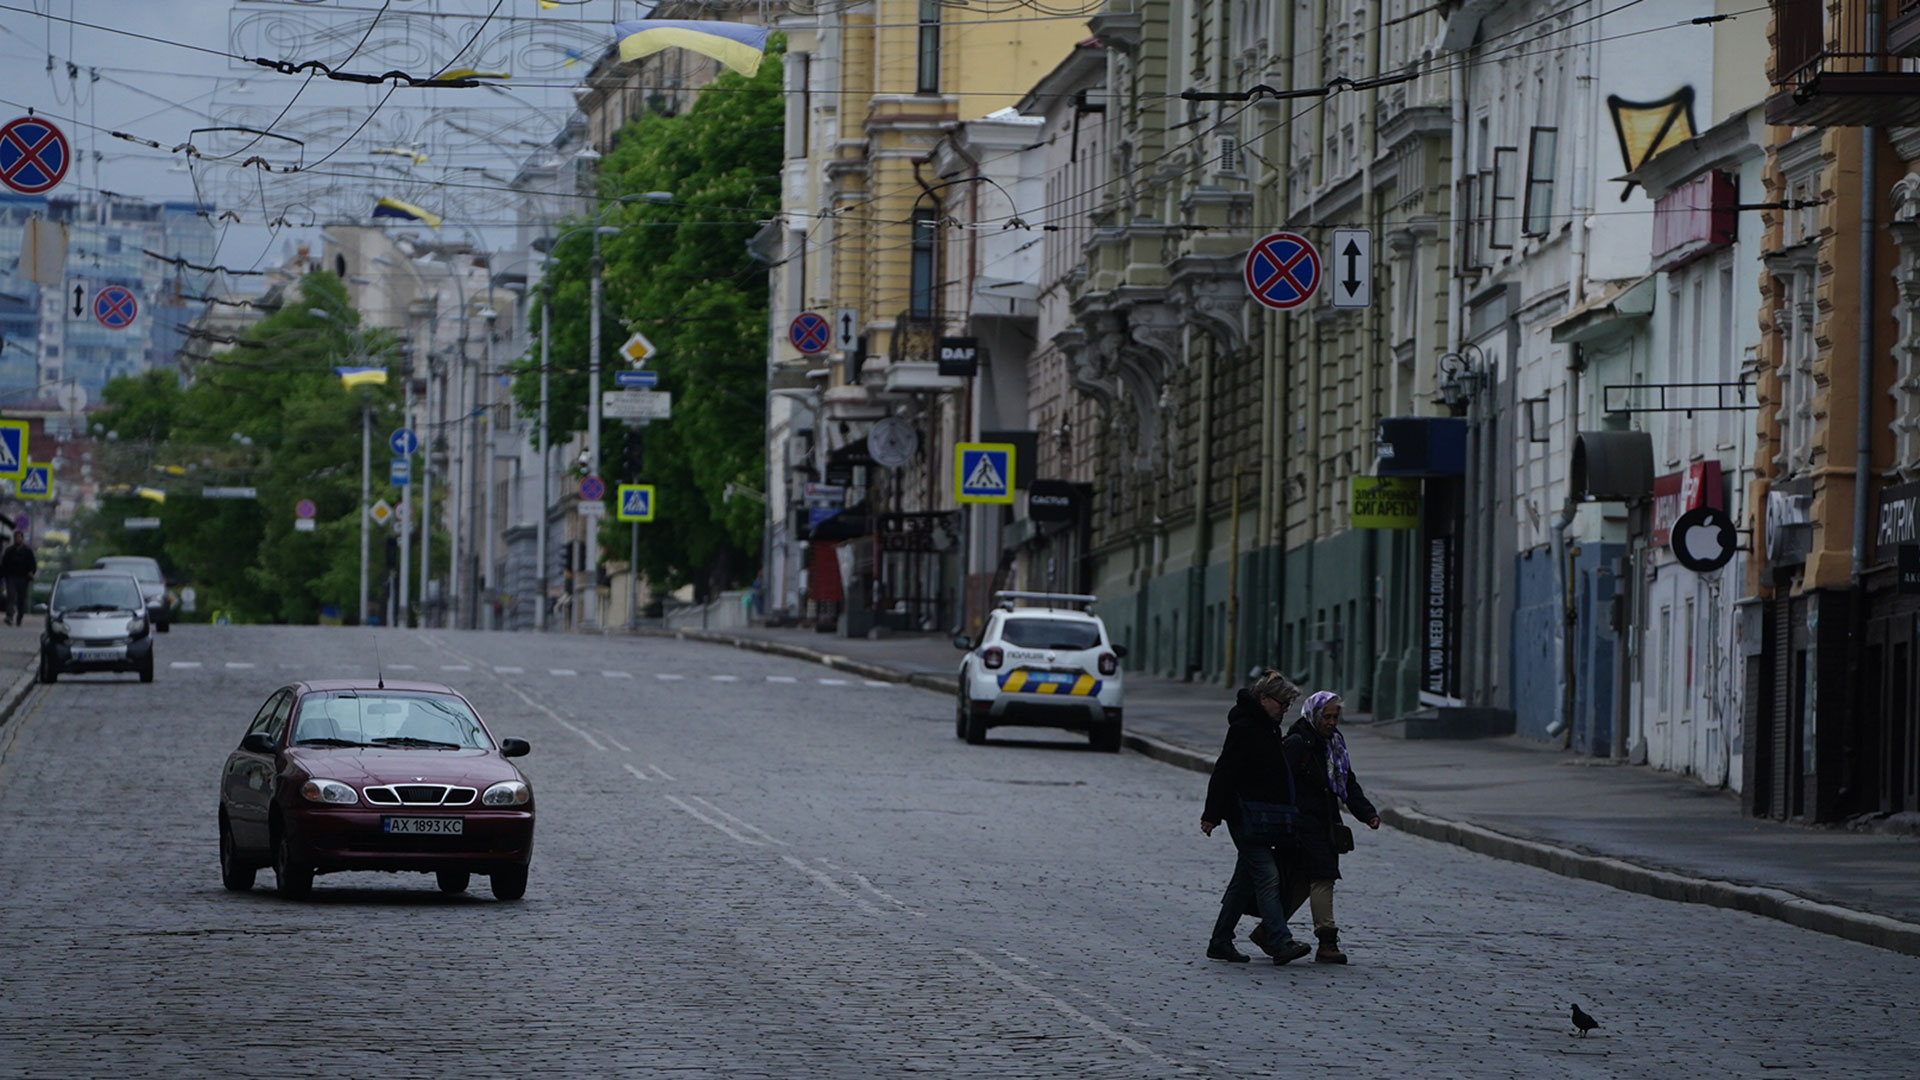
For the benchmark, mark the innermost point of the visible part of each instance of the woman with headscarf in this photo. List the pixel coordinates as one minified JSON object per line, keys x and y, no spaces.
{"x":1317,"y":753}
{"x":1252,"y":767}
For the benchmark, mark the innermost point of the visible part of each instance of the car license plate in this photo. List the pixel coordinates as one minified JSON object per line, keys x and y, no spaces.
{"x":423,"y":826}
{"x":88,"y":655}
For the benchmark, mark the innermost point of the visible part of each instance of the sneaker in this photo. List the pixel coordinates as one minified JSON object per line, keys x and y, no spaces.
{"x":1290,"y":950}
{"x":1226,"y":952}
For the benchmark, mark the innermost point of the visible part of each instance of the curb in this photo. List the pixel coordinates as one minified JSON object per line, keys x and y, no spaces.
{"x":11,"y":698}
{"x":1879,"y":931}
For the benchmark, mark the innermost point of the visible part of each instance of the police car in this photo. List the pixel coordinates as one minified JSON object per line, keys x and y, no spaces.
{"x":1043,"y":660}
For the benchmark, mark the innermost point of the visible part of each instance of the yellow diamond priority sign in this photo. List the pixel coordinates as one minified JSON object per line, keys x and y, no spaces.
{"x":638,"y":350}
{"x":381,"y":512}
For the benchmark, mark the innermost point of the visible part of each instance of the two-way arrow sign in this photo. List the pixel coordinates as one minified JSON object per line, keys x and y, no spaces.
{"x":1353,"y":255}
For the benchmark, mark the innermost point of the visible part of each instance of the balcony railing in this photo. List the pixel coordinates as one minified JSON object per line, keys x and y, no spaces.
{"x":1833,"y":64}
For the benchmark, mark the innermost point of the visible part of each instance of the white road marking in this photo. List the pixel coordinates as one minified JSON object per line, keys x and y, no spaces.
{"x":882,"y":685}
{"x":724,"y":678}
{"x":721,"y":825}
{"x":870,"y":887}
{"x":561,"y":671}
{"x":509,"y":671}
{"x":638,"y":773}
{"x":238,"y":664}
{"x":618,"y":674}
{"x":403,"y":667}
{"x":781,"y":678}
{"x":517,"y":692}
{"x":667,"y":677}
{"x":740,"y":821}
{"x":658,"y":769}
{"x":1072,"y":1013}
{"x":833,"y":682}
{"x":456,"y":667}
{"x":185,"y":664}
{"x":617,"y":744}
{"x":838,"y":889}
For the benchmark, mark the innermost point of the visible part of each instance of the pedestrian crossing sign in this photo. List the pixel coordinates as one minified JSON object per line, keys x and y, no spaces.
{"x":636,"y":502}
{"x":983,"y":472}
{"x":37,"y":483}
{"x":13,"y":449}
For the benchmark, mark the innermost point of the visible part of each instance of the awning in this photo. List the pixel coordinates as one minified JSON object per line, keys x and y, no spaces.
{"x":1613,"y":466}
{"x":1614,"y":311}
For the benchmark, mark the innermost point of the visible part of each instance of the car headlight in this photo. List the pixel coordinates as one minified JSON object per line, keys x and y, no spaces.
{"x":57,"y":627}
{"x":507,"y":793}
{"x":137,"y":625}
{"x":329,"y":791}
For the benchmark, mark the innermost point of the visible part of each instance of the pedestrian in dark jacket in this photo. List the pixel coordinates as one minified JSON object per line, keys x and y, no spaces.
{"x":1317,"y":753}
{"x":1252,"y":766}
{"x":17,"y":568}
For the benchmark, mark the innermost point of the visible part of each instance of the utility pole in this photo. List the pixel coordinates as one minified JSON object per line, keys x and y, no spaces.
{"x":404,"y":612}
{"x":590,"y":524}
{"x":426,"y":491}
{"x":366,"y":491}
{"x":490,"y":586}
{"x":546,"y":467}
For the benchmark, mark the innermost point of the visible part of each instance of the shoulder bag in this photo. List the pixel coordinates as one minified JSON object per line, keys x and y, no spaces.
{"x":1270,"y":823}
{"x":1340,"y":835}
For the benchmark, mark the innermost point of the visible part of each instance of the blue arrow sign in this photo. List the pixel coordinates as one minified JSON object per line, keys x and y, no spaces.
{"x":636,"y":378}
{"x":402,"y":472}
{"x":403,"y":442}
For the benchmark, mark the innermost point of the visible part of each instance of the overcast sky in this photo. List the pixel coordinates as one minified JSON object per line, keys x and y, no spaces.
{"x":472,"y":138}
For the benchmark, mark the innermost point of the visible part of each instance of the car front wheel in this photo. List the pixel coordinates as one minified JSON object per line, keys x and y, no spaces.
{"x":146,"y":669}
{"x":453,"y":881}
{"x":509,"y":884}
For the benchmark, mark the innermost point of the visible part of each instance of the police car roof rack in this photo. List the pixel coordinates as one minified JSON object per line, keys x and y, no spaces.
{"x":1006,"y":599}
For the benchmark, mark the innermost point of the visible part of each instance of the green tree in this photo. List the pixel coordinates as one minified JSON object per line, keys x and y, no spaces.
{"x":679,"y":272}
{"x":272,"y":415}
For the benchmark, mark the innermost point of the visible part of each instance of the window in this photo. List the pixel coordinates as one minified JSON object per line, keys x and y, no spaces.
{"x":1666,"y":661}
{"x":1505,"y":217}
{"x":929,"y":69}
{"x":1050,"y":633}
{"x":1544,"y":144}
{"x":920,"y":304}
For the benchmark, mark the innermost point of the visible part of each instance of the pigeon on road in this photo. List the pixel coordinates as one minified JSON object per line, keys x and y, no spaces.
{"x":1584,"y":1022}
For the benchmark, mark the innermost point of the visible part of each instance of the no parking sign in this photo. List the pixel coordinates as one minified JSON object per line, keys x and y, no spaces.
{"x":1283,"y":270}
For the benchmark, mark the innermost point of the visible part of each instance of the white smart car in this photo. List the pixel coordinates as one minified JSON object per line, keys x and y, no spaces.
{"x":1042,"y":660}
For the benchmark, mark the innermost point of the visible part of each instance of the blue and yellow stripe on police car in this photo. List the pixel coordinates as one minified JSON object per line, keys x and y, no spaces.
{"x":1062,"y":683}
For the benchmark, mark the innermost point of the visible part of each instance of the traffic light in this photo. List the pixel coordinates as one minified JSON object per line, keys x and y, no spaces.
{"x":630,"y":455}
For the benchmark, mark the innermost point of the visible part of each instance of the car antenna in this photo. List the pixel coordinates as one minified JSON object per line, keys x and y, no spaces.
{"x":379,"y":673}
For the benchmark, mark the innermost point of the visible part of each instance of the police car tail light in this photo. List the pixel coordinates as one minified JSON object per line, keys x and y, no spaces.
{"x":991,"y":657}
{"x":1109,"y":663}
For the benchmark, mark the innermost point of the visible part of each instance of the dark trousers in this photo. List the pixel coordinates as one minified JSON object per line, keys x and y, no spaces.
{"x":1258,"y":882}
{"x":17,"y":599}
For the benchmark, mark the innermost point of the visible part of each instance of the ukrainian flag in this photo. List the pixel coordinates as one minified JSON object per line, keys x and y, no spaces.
{"x":740,"y":46}
{"x":394,"y":208}
{"x":351,"y":377}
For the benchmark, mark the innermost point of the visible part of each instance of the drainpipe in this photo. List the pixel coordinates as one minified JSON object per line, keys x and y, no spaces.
{"x":1203,"y":518}
{"x":1562,"y":724}
{"x":1863,"y":435}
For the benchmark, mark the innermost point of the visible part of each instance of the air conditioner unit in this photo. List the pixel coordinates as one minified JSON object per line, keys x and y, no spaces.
{"x":1227,"y":160}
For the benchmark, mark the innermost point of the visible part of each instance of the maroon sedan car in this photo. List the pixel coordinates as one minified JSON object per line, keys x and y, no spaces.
{"x":348,"y":774}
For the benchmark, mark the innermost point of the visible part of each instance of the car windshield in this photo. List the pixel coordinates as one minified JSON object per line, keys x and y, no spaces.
{"x":1050,"y":634}
{"x":104,"y":593}
{"x":389,"y":720}
{"x":145,"y":570}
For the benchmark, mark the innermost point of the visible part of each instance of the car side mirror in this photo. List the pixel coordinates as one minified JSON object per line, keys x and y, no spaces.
{"x":1119,"y":652}
{"x":515,"y":748}
{"x":258,"y":742}
{"x":39,"y":609}
{"x":962,"y":641}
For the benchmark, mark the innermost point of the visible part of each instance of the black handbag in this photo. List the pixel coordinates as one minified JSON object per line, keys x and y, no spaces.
{"x":1341,"y":837}
{"x":1270,"y":823}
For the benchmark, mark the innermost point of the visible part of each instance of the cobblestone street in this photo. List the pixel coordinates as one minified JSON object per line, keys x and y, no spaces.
{"x":751,"y":866}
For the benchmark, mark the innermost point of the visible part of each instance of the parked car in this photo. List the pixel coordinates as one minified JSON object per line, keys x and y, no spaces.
{"x":153,"y":585}
{"x":1042,"y":660}
{"x":96,"y":621}
{"x":364,"y":774}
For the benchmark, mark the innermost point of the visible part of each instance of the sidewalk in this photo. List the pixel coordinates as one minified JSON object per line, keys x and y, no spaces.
{"x":1620,"y":825}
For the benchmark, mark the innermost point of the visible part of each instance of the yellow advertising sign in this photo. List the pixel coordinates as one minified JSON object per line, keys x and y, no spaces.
{"x":1385,"y":502}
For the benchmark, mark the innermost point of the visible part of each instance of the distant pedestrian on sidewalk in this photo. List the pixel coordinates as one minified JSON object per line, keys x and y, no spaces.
{"x":1252,"y":766}
{"x":17,"y":568}
{"x":1317,"y":753}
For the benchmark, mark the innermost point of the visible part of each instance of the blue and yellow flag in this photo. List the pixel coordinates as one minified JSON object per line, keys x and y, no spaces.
{"x":394,"y":208}
{"x":351,"y":377}
{"x":740,"y":46}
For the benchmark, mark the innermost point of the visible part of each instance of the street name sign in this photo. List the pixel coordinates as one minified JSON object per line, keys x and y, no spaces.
{"x":229,"y":493}
{"x":137,"y":524}
{"x":636,"y":404}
